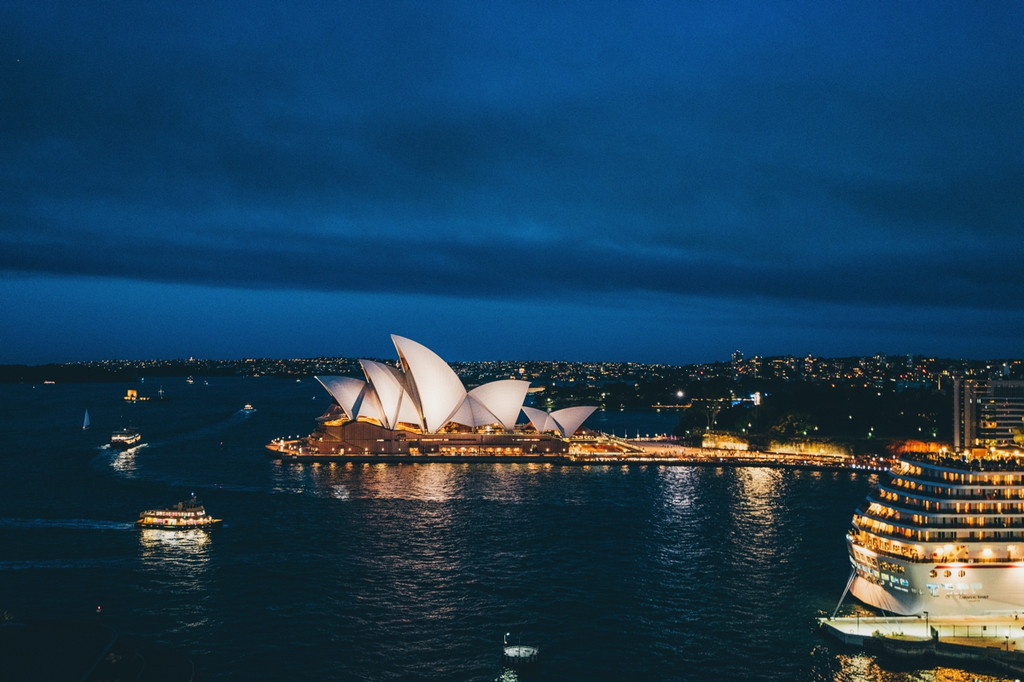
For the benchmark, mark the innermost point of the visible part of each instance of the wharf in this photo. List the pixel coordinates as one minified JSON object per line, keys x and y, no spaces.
{"x":420,"y":459}
{"x":994,"y":640}
{"x":568,"y":460}
{"x":640,"y":453}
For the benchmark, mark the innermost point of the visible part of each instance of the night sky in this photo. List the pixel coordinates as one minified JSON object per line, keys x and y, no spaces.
{"x":554,"y":181}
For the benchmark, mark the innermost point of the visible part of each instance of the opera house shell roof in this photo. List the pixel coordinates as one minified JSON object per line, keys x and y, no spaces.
{"x":427,"y":395}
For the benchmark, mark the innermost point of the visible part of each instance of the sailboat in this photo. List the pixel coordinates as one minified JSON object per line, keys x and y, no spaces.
{"x":85,"y":422}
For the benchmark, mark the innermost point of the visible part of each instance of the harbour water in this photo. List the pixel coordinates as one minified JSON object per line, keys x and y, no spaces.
{"x":398,"y":572}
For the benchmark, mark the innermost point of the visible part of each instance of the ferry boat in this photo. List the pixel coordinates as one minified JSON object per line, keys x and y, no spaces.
{"x":125,"y":439}
{"x":248,"y":408}
{"x":182,"y":516}
{"x":943,"y":535}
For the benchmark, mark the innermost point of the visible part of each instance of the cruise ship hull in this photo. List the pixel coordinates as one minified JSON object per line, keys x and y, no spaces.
{"x":905,"y":587}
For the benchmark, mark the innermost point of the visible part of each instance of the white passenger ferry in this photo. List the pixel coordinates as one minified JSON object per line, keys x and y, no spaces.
{"x":187,"y":515}
{"x":125,"y":439}
{"x":943,"y":535}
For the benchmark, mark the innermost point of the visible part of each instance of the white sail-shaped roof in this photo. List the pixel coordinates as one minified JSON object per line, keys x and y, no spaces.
{"x":346,"y":391}
{"x":540,"y":419}
{"x":387,"y":382}
{"x":435,"y":388}
{"x":566,"y":421}
{"x":503,"y":399}
{"x":472,"y":413}
{"x":570,"y":419}
{"x":426,"y":392}
{"x":408,"y":413}
{"x":369,"y":405}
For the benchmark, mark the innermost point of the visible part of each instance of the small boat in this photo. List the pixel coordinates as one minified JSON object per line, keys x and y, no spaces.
{"x":186,"y":515}
{"x":190,"y":380}
{"x":85,"y":422}
{"x":125,"y":439}
{"x":519,"y":656}
{"x":248,"y":408}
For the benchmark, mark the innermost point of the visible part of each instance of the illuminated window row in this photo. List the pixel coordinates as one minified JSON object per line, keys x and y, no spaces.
{"x":957,"y":492}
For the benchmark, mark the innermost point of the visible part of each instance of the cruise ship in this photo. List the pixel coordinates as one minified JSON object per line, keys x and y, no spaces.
{"x":942,"y":535}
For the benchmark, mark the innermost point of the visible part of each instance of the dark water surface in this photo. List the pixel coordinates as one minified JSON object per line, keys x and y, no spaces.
{"x":398,"y":572}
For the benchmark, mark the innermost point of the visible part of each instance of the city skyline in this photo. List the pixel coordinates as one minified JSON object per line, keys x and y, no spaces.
{"x":659,"y":184}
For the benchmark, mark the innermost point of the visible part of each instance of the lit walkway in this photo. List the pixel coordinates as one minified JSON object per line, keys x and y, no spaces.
{"x":997,"y":640}
{"x":984,"y":631}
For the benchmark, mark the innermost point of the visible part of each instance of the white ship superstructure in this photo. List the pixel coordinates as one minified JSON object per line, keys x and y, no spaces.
{"x":942,"y":535}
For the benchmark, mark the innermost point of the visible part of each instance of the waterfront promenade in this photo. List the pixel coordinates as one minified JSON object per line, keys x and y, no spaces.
{"x":600,"y":450}
{"x":995,"y":640}
{"x":668,"y":452}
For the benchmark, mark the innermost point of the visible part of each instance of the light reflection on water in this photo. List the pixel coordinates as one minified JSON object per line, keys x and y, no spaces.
{"x":755,"y":504}
{"x":124,"y":463}
{"x":862,"y":668}
{"x":292,"y":479}
{"x":678,"y":486}
{"x":176,"y":551}
{"x":423,"y":482}
{"x":157,"y":538}
{"x":178,"y":561}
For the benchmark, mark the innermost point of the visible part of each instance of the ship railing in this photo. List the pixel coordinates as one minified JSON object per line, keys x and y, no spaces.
{"x":937,"y":533}
{"x":947,"y":488}
{"x":944,"y":536}
{"x":993,"y":464}
{"x":948,"y":499}
{"x":993,"y":521}
{"x":882,"y":551}
{"x":919,"y":558}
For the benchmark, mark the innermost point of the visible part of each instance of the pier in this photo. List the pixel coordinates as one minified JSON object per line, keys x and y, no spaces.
{"x":996,"y":640}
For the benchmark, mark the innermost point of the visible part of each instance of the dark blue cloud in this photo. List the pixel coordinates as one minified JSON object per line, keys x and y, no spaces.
{"x":761,"y":157}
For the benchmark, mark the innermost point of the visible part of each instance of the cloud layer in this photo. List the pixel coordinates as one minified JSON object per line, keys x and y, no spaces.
{"x":799,"y":155}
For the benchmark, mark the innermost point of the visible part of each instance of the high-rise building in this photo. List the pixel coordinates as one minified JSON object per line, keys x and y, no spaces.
{"x":987,"y":413}
{"x":736,"y":361}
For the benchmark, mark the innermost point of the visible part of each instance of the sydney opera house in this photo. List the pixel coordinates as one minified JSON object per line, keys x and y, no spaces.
{"x":423,"y":408}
